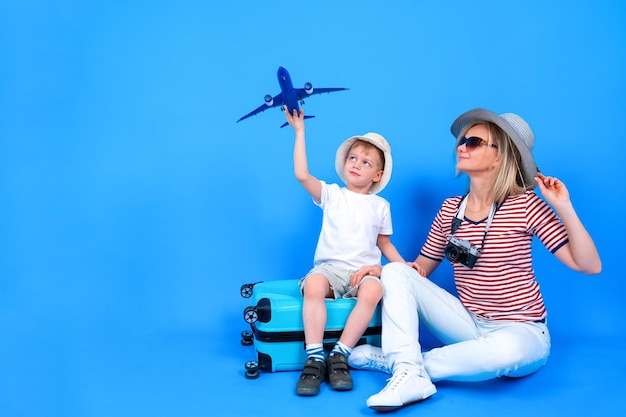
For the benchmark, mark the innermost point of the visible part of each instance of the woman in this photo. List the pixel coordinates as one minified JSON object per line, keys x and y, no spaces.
{"x":497,"y":325}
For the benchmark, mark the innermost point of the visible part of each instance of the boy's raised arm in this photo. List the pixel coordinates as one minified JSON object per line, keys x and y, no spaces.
{"x":300,"y":165}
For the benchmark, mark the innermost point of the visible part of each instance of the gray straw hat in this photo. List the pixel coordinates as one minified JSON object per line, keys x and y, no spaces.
{"x":516,"y":127}
{"x":375,"y":139}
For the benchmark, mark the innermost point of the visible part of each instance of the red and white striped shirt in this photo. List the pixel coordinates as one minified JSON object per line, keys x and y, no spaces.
{"x":501,"y":285}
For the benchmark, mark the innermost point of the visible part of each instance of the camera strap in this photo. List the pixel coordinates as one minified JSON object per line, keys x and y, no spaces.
{"x":460,"y":215}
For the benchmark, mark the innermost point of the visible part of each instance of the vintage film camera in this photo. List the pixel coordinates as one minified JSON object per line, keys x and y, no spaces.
{"x":461,"y":251}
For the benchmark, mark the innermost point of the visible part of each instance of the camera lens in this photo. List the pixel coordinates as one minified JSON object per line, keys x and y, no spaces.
{"x":452,"y":253}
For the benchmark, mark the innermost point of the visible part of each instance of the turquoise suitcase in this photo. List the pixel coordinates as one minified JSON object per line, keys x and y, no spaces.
{"x":276,"y":329}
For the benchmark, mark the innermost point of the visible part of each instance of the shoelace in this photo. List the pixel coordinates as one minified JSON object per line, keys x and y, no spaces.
{"x":378,"y":361}
{"x":395,"y":380}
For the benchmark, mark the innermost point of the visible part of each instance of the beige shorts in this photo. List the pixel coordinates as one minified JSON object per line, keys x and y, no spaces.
{"x":338,"y":279}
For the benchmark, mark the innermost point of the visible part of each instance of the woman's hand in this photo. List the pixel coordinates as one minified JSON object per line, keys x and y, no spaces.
{"x":553,"y":189}
{"x":418,"y":268}
{"x":374,"y":270}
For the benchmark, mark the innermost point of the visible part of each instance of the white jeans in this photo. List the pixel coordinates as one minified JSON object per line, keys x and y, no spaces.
{"x":475,"y":350}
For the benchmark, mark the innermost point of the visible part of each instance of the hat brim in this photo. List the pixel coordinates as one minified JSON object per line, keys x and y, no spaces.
{"x":529,"y":167}
{"x":342,"y":153}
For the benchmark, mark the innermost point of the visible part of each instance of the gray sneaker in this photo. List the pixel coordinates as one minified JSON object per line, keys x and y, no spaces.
{"x":338,"y":374}
{"x":406,"y":386}
{"x":368,"y":357}
{"x":312,"y":376}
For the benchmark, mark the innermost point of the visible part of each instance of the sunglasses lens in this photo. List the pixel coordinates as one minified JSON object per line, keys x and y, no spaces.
{"x":472,"y":142}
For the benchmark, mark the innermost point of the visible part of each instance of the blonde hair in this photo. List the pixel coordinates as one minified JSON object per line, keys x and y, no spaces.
{"x":508,"y":179}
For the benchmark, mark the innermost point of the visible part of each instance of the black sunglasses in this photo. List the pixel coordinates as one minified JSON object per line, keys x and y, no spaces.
{"x":474,"y":142}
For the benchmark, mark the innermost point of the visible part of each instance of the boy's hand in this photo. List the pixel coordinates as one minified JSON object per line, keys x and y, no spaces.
{"x":295,"y":120}
{"x":356,"y":277}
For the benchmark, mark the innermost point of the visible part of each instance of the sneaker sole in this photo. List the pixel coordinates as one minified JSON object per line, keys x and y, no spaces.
{"x":342,"y":387}
{"x":386,"y":408}
{"x":307,"y":393}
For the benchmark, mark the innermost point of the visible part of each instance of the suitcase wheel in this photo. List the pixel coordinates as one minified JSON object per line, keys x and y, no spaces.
{"x":246,"y":338}
{"x":252,"y":370}
{"x":250,"y":315}
{"x":246,"y":289}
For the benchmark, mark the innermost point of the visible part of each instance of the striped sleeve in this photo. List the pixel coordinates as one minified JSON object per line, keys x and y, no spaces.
{"x":544,"y":223}
{"x":440,"y":230}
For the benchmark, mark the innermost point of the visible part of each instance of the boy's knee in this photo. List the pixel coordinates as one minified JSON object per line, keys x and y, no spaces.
{"x":315,"y":285}
{"x":370,"y":292}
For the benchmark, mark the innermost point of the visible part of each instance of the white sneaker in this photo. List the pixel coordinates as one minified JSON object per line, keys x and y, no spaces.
{"x":406,"y":386}
{"x":368,"y":357}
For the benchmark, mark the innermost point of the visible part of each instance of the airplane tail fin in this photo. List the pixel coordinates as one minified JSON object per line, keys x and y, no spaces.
{"x":305,"y":116}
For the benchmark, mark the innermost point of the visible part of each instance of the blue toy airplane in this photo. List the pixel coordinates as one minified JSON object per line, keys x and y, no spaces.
{"x":289,"y":96}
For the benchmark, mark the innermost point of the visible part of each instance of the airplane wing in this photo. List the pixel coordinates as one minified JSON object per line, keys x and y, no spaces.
{"x":302,"y":94}
{"x":276,"y":101}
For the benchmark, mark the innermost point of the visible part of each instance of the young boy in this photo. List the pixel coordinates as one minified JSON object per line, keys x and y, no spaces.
{"x":356,"y":227}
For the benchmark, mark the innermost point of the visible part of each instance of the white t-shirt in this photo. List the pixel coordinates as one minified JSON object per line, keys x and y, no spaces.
{"x":351,"y":224}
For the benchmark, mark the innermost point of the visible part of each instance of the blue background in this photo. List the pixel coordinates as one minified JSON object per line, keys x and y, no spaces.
{"x":133,"y":207}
